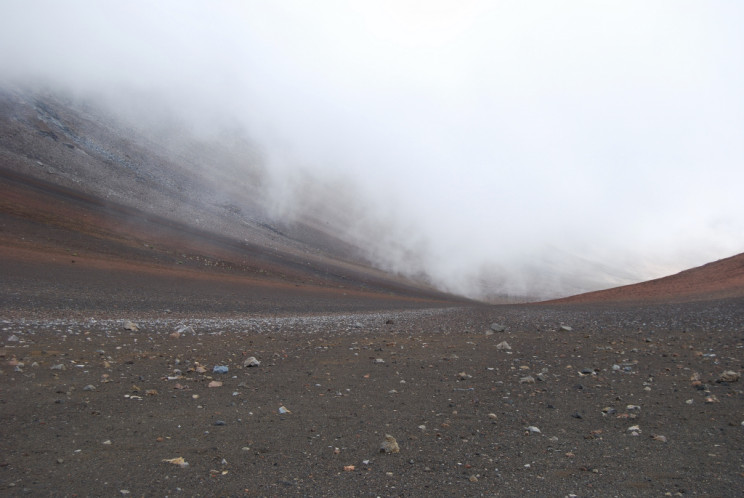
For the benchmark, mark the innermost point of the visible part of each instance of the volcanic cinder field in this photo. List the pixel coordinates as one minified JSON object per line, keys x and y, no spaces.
{"x":158,"y":343}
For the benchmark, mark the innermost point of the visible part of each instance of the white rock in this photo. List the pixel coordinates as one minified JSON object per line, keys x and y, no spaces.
{"x":251,"y":362}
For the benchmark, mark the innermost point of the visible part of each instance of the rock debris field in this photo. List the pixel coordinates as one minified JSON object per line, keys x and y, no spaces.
{"x":539,"y":400}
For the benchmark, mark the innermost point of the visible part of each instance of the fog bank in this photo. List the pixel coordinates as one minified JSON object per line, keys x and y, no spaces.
{"x":491,"y":148}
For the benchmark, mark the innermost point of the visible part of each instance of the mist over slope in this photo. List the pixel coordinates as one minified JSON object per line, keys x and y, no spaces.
{"x":218,"y":182}
{"x":213,"y":180}
{"x":493,"y":149}
{"x":80,"y":183}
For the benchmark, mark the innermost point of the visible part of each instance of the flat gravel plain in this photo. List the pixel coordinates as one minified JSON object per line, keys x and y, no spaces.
{"x":582,"y":400}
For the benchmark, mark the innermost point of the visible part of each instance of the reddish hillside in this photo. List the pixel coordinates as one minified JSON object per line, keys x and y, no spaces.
{"x":94,"y":216}
{"x":721,"y":279}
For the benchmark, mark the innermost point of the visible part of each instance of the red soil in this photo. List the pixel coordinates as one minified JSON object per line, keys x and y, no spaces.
{"x":718,"y":280}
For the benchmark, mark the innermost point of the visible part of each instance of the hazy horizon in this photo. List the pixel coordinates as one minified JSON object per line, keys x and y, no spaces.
{"x":521,"y":148}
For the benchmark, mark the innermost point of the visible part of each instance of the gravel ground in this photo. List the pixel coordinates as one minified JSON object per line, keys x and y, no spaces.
{"x":628,"y":402}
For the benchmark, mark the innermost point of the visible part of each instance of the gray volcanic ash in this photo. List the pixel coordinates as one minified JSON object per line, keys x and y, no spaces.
{"x":80,"y":188}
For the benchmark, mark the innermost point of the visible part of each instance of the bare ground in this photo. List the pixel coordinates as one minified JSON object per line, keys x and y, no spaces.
{"x":630,"y":401}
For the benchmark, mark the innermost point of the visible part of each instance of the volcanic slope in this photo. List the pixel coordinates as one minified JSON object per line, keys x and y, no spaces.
{"x":720,"y":279}
{"x":93,"y":211}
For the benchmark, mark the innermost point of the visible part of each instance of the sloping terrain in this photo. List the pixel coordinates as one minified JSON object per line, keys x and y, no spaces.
{"x":717,"y":280}
{"x":87,"y":202}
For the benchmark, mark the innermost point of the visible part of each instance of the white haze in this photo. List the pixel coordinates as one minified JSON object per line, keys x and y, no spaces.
{"x":495,"y":147}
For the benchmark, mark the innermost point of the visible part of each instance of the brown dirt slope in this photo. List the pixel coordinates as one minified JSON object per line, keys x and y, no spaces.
{"x":717,"y":280}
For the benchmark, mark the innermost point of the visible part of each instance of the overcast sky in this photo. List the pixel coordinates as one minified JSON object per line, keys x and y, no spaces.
{"x":533,"y":143}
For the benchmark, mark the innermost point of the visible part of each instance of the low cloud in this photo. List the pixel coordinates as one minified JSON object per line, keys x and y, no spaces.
{"x":492,"y":148}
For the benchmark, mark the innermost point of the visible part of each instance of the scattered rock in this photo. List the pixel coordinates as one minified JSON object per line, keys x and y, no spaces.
{"x":527,"y":380}
{"x":729,"y":376}
{"x":533,"y":430}
{"x":349,"y":468}
{"x":89,"y":387}
{"x":659,"y":437}
{"x":634,"y":430}
{"x":215,"y":383}
{"x":464,"y":376}
{"x":220,"y":369}
{"x":251,"y":362}
{"x":283,"y":410}
{"x":503,"y":346}
{"x":131,"y":326}
{"x":379,"y":360}
{"x":220,"y":422}
{"x":13,"y":338}
{"x":389,"y":445}
{"x":492,"y":416}
{"x":497,"y":327}
{"x":177,"y":461}
{"x":565,"y":328}
{"x":58,"y":366}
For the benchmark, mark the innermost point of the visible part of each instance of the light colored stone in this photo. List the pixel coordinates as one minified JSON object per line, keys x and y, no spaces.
{"x":729,"y":376}
{"x":389,"y":445}
{"x":128,"y":325}
{"x":251,"y":362}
